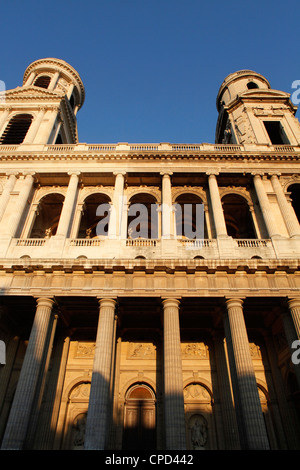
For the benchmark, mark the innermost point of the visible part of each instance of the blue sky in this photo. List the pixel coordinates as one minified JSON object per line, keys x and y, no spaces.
{"x":152,"y":69}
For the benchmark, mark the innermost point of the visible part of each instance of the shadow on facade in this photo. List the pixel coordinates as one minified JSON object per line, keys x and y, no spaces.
{"x":136,"y":401}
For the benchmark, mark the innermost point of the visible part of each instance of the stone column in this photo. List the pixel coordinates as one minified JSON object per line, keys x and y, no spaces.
{"x":218,"y":213}
{"x":254,"y":436}
{"x":287,"y":211}
{"x":115,"y":221}
{"x":173,"y":380}
{"x":53,"y":81}
{"x":67,"y":210}
{"x":10,"y":183}
{"x":167,"y":214}
{"x":34,"y":127}
{"x":265,"y":205}
{"x":30,"y":79}
{"x":13,"y":222}
{"x":97,"y":427}
{"x":20,"y":414}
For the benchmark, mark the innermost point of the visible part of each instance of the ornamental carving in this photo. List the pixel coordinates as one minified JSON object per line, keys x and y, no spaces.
{"x":141,"y":351}
{"x":255,"y":351}
{"x":194,"y":350}
{"x":82,"y":392}
{"x":196,"y":392}
{"x":85,"y":350}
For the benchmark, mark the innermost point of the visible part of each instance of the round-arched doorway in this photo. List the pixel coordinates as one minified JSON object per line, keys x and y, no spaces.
{"x":140,"y":418}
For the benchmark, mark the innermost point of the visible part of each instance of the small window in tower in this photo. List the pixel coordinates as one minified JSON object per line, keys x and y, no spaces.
{"x":16,"y":129}
{"x":251,"y":85}
{"x":42,"y":81}
{"x":276,"y":132}
{"x":72,"y":101}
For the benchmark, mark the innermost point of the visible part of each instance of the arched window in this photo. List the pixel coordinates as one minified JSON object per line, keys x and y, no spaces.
{"x":16,"y":129}
{"x":95,"y":217}
{"x":251,"y":85}
{"x":48,"y":214}
{"x":142,"y":217}
{"x":190,"y":220}
{"x":295,"y":197}
{"x":238,"y":218}
{"x":42,"y":81}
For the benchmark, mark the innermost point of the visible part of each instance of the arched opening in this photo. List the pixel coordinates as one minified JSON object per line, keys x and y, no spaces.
{"x":251,"y":85}
{"x":16,"y":129}
{"x":190,"y":220}
{"x":294,"y":189}
{"x":139,"y":418}
{"x":48,"y":214}
{"x":42,"y":81}
{"x":142,"y":217}
{"x":95,"y":217}
{"x":238,"y":218}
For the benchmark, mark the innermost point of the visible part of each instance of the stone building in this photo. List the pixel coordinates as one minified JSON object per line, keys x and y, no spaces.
{"x":123,"y":328}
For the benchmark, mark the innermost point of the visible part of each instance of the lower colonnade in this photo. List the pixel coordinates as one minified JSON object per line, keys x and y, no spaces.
{"x":168,"y":373}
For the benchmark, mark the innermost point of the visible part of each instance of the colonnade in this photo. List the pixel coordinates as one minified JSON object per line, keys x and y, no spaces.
{"x":118,"y":226}
{"x":252,"y":429}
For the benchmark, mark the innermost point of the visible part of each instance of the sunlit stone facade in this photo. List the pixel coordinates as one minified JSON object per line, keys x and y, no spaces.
{"x":159,"y":341}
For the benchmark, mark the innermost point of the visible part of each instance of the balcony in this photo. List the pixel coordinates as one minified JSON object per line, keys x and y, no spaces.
{"x":103,"y":248}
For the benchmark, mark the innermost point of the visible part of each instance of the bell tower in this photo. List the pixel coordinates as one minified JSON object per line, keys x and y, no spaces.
{"x":251,"y":112}
{"x":43,"y":110}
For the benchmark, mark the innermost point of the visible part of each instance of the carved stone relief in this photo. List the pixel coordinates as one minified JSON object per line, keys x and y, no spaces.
{"x":141,"y":351}
{"x":85,"y":350}
{"x":196,"y":392}
{"x":255,"y":351}
{"x":194,"y":350}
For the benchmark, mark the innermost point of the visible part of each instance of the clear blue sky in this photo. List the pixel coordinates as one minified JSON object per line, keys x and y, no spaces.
{"x":152,"y":69}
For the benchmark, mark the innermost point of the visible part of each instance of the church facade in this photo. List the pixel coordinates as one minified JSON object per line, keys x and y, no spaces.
{"x":150,"y":293}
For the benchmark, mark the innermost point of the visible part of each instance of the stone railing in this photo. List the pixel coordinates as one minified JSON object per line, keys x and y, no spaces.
{"x":146,"y":147}
{"x":141,"y":242}
{"x":153,"y":248}
{"x":85,"y":242}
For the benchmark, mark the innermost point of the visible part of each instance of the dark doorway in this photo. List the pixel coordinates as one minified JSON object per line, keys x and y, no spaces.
{"x":140,"y":419}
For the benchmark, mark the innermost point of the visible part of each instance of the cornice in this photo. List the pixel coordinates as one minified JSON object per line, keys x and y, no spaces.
{"x":170,"y":266}
{"x":14,"y":153}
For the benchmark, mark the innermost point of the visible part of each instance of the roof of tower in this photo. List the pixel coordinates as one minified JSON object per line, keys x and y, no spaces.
{"x":51,"y":63}
{"x":240,"y":74}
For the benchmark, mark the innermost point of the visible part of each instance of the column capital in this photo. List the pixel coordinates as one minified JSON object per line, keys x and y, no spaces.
{"x":107,"y":302}
{"x":166,"y":173}
{"x":119,"y":172}
{"x":293,"y":302}
{"x":212,"y":173}
{"x":74,"y":173}
{"x":234,"y":301}
{"x":171,"y":301}
{"x":45,"y":301}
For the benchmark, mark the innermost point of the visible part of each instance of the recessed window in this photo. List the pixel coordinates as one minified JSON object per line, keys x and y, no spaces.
{"x":16,"y":129}
{"x":276,"y":132}
{"x":251,"y":85}
{"x":42,"y":81}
